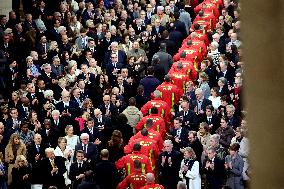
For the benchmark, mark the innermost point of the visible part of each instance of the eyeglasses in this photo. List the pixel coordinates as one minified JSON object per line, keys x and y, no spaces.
{"x":113,"y":57}
{"x":84,"y":139}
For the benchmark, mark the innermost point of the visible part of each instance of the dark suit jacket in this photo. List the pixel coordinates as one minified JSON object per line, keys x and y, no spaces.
{"x":51,"y":138}
{"x":154,"y":31}
{"x":75,"y":171}
{"x":73,"y":108}
{"x":107,"y":170}
{"x":107,"y":131}
{"x":121,"y":57}
{"x":215,"y":121}
{"x":112,"y":109}
{"x":189,"y":121}
{"x":40,"y":48}
{"x":56,"y":179}
{"x":229,"y":76}
{"x":183,"y":137}
{"x":215,"y":177}
{"x":205,"y":103}
{"x":92,"y":152}
{"x":109,"y":69}
{"x":36,"y":165}
{"x":94,"y":136}
{"x":88,"y":185}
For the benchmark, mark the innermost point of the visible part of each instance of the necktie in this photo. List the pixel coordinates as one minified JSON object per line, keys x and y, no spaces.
{"x":209,"y":121}
{"x":37,"y":148}
{"x":80,"y":165}
{"x":85,"y":148}
{"x":52,"y":163}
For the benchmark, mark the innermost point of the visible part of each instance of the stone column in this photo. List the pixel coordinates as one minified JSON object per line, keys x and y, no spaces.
{"x":5,"y":7}
{"x":262,"y":34}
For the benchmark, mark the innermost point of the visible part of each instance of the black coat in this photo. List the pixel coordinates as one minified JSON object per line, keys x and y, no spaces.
{"x":215,"y":177}
{"x":169,"y":175}
{"x":92,"y":152}
{"x":17,"y":178}
{"x":189,"y":120}
{"x":108,"y":175}
{"x":75,"y":171}
{"x":55,"y":179}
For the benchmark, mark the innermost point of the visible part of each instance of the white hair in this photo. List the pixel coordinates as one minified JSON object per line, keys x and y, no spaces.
{"x":160,"y":8}
{"x":232,"y":107}
{"x":54,"y":112}
{"x":215,"y":44}
{"x":114,"y":43}
{"x":48,"y":93}
{"x":168,"y":142}
{"x":84,"y":135}
{"x":61,"y":28}
{"x":49,"y":150}
{"x":29,"y":58}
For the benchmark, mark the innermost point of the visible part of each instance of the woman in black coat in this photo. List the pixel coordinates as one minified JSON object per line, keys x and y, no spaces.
{"x":21,"y":174}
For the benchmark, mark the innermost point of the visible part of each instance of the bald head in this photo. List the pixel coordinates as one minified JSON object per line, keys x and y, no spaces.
{"x":150,"y":178}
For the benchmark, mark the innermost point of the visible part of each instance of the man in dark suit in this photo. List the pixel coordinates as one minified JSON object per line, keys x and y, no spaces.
{"x":103,"y":125}
{"x":67,"y":107}
{"x":113,"y":68}
{"x":42,"y":47}
{"x":214,"y":170}
{"x":195,"y":144}
{"x":92,"y":131}
{"x":47,"y":76}
{"x":106,"y":170}
{"x":49,"y":134}
{"x":53,"y":32}
{"x":78,"y":169}
{"x":52,"y":170}
{"x":212,"y":120}
{"x":24,"y":109}
{"x":199,"y":105}
{"x":138,"y":27}
{"x":107,"y":108}
{"x":189,"y":118}
{"x":36,"y":153}
{"x":10,"y":76}
{"x":180,"y":26}
{"x":179,"y":134}
{"x":89,"y":148}
{"x":64,"y":44}
{"x":105,"y":42}
{"x":224,"y":71}
{"x":36,"y":98}
{"x":121,"y":56}
{"x":157,"y":29}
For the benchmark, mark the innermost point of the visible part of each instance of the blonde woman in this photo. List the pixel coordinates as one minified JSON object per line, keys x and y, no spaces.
{"x":189,"y":169}
{"x":72,"y":140}
{"x":66,"y":152}
{"x":21,"y":174}
{"x":53,"y":50}
{"x":14,"y":148}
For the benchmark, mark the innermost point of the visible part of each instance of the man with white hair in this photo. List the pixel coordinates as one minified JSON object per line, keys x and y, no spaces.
{"x":66,"y":106}
{"x":199,"y":105}
{"x":121,"y":56}
{"x":90,"y":149}
{"x":53,"y":167}
{"x":164,"y":19}
{"x":169,"y":165}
